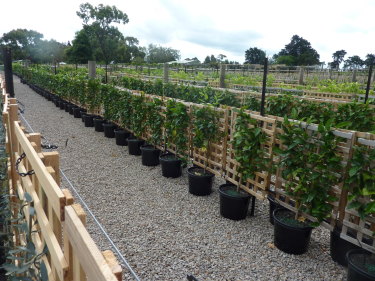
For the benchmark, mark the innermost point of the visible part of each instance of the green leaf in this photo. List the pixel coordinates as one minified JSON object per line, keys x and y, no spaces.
{"x":354,"y":171}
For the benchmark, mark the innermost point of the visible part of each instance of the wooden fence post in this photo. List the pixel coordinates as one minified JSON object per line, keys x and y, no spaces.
{"x":301,"y":74}
{"x":222,"y":76}
{"x":166,"y":73}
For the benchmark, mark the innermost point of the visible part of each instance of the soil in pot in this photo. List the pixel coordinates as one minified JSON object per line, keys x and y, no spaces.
{"x":170,"y":165}
{"x":234,"y":204}
{"x":361,"y":265}
{"x":200,"y":181}
{"x":98,"y":124}
{"x":339,"y":247}
{"x":150,"y":155}
{"x":290,"y":235}
{"x":121,"y":136}
{"x":134,"y":146}
{"x":89,"y":120}
{"x":109,"y":129}
{"x":273,"y":206}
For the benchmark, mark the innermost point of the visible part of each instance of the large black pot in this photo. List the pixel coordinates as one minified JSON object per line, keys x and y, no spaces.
{"x":57,"y":102}
{"x":89,"y":120}
{"x":273,"y":206}
{"x":361,"y":265}
{"x":121,"y":136}
{"x":67,"y":106}
{"x":200,"y":181}
{"x":234,"y":204}
{"x":290,"y":236}
{"x":170,"y":165}
{"x":339,"y":247}
{"x":62,"y":104}
{"x":150,"y":155}
{"x":109,"y":129}
{"x":77,"y":112}
{"x":134,"y":145}
{"x":98,"y":124}
{"x":71,"y":109}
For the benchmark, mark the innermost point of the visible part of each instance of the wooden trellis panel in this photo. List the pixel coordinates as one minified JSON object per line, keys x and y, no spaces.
{"x":344,"y":150}
{"x":354,"y":229}
{"x":216,"y":161}
{"x":259,"y":185}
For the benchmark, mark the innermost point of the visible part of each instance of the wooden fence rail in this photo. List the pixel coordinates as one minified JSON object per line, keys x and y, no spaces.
{"x":58,"y":223}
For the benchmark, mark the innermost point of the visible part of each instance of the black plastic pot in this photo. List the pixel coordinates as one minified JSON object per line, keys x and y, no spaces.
{"x":71,"y":109}
{"x":98,"y":124}
{"x":288,"y":237}
{"x":77,"y":112}
{"x":67,"y":106}
{"x":170,"y":165}
{"x":200,"y":182}
{"x":361,"y":265}
{"x":134,"y":146}
{"x":340,"y":247}
{"x":121,"y":136}
{"x":83,"y":113}
{"x":109,"y":129}
{"x":62,"y":104}
{"x":273,"y":206}
{"x":150,"y":155}
{"x":89,"y":120}
{"x":233,"y":205}
{"x":57,"y":102}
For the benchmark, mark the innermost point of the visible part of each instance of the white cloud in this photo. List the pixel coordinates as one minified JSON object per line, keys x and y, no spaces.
{"x":200,"y":28}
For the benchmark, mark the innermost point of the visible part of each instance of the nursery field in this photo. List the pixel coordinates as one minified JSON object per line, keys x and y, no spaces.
{"x":312,"y":158}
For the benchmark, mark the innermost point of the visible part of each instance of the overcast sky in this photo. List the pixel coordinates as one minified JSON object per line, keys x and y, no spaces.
{"x":203,"y":27}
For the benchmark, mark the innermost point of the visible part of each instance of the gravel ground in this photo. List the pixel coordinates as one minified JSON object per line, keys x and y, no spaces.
{"x":164,"y":232}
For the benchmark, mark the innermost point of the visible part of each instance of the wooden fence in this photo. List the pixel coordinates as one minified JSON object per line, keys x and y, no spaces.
{"x":58,"y":222}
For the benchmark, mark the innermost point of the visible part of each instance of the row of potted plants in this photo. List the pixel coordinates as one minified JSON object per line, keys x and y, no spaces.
{"x":309,"y":176}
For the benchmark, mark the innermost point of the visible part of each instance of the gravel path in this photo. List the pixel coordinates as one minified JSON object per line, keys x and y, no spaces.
{"x":164,"y":232}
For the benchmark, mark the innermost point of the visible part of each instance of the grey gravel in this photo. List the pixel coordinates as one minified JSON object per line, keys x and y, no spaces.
{"x":164,"y":232}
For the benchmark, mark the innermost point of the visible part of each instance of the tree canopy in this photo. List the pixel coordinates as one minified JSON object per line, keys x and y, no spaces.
{"x":338,"y":58}
{"x":80,"y":51}
{"x":255,"y":56}
{"x":159,"y":54}
{"x":297,"y":52}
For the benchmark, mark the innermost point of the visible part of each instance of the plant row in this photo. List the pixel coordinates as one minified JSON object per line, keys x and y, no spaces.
{"x":307,"y":159}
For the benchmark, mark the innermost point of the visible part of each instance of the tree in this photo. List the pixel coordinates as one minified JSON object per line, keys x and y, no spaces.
{"x":221,"y":57}
{"x":97,"y":23}
{"x":255,"y":56}
{"x":354,"y":62}
{"x":207,"y":60}
{"x":80,"y":51}
{"x":370,"y":59}
{"x":23,"y":43}
{"x":298,"y":52}
{"x":338,"y":57}
{"x":159,"y":54}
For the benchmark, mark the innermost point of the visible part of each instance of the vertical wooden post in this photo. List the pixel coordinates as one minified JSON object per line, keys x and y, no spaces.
{"x":13,"y":111}
{"x":222,"y":76}
{"x":53,"y":159}
{"x":354,"y":76}
{"x":301,"y":73}
{"x":78,"y":273}
{"x":92,"y":69}
{"x":7,"y":55}
{"x":166,"y":73}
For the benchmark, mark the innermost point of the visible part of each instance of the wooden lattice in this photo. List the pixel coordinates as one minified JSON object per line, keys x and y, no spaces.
{"x":259,"y":185}
{"x":345,"y":140}
{"x":217,"y":150}
{"x":354,"y":229}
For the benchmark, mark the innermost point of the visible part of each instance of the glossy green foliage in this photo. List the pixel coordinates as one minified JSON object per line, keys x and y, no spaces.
{"x":176,"y":125}
{"x":361,"y":181}
{"x":155,"y":121}
{"x":247,"y":145}
{"x":139,"y":115}
{"x":309,"y":163}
